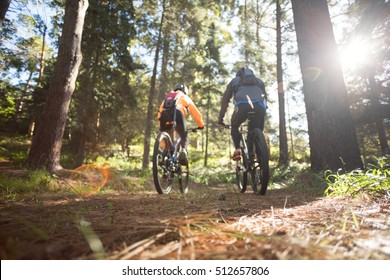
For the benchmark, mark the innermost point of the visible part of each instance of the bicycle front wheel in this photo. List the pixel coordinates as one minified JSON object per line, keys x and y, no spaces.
{"x":162,"y":175}
{"x":183,"y":174}
{"x":260,"y":170}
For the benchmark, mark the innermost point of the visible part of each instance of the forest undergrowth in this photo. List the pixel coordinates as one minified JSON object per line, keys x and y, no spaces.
{"x":210,"y":222}
{"x":119,"y":215}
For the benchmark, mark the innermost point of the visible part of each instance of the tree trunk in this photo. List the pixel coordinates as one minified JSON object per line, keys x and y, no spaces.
{"x":332,"y":136}
{"x":19,"y":102}
{"x":206,"y":153}
{"x":38,"y":91}
{"x":42,"y":59}
{"x":47,"y":142}
{"x":283,"y":147}
{"x":4,"y":4}
{"x":246,"y":34}
{"x":290,"y":130}
{"x":376,"y":106}
{"x":152,"y":93}
{"x":164,"y":66}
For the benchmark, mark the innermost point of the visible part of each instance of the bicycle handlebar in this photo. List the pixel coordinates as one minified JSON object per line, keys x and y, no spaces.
{"x":227,"y":126}
{"x":194,"y":129}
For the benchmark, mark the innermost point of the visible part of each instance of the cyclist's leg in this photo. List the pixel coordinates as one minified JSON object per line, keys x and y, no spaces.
{"x":166,"y":122}
{"x":256,"y":122}
{"x":239,"y":115}
{"x":259,"y":116}
{"x":181,"y":129}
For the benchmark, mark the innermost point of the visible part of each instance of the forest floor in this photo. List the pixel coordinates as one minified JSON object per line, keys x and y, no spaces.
{"x":210,"y":222}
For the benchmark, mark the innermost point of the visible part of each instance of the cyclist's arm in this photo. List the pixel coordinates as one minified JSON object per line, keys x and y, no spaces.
{"x":194,"y":111}
{"x":225,"y":102}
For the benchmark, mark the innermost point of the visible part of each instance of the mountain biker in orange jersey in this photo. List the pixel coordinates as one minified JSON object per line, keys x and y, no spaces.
{"x":179,"y":101}
{"x":247,"y":91}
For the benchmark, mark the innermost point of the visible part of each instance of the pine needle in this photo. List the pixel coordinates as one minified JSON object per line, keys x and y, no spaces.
{"x":355,"y":220}
{"x":343,"y":230}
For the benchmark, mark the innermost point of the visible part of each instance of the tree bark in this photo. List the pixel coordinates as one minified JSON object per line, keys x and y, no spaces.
{"x":283,"y":147}
{"x":332,"y":136}
{"x":38,"y":87}
{"x":42,"y":59}
{"x":164,"y":64}
{"x":206,"y":152}
{"x":4,"y":4}
{"x":19,"y":102}
{"x":376,"y":106}
{"x":152,"y":93}
{"x":47,"y":142}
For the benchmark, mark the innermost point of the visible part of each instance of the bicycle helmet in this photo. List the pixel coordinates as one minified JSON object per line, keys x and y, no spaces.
{"x":239,"y":71}
{"x":181,"y":87}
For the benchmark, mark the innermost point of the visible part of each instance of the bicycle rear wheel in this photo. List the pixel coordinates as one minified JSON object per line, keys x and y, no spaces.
{"x":183,"y":175}
{"x":260,"y":170}
{"x":242,"y":172}
{"x":162,"y":175}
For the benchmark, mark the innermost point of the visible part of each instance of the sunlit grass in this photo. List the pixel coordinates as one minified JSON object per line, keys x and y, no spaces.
{"x":374,"y":181}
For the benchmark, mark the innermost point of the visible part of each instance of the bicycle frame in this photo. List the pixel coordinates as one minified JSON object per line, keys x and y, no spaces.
{"x":174,"y":156}
{"x":246,"y":138}
{"x":249,"y":140}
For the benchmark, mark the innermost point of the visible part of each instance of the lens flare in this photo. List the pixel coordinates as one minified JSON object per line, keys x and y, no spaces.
{"x":312,"y":73}
{"x":91,"y":178}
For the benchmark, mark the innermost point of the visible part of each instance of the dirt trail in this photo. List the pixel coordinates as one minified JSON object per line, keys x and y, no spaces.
{"x":208,"y":223}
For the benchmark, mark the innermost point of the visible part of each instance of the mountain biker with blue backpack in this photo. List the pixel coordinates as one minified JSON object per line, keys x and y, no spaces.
{"x":247,"y":90}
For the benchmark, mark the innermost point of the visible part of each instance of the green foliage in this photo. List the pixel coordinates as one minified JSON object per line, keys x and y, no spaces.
{"x":7,"y":107}
{"x":213,"y":175}
{"x":375,"y":181}
{"x":38,"y":181}
{"x":288,"y":175}
{"x":298,"y":176}
{"x":14,"y":148}
{"x":41,"y":181}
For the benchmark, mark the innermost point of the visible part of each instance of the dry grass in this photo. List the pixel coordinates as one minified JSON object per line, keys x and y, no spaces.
{"x":209,"y":223}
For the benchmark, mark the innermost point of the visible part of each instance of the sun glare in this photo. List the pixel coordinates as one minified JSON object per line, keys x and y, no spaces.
{"x":354,"y":55}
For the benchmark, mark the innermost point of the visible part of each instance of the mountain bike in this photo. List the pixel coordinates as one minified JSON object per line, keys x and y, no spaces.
{"x":166,"y":163}
{"x":254,"y":158}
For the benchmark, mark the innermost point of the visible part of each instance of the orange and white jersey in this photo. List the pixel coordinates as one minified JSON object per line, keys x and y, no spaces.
{"x":183,"y":104}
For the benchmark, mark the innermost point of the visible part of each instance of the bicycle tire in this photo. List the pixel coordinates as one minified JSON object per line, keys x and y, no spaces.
{"x":254,"y":177}
{"x":242,"y":170}
{"x":260,"y":173}
{"x":241,"y":178}
{"x":162,"y":177}
{"x":183,"y":176}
